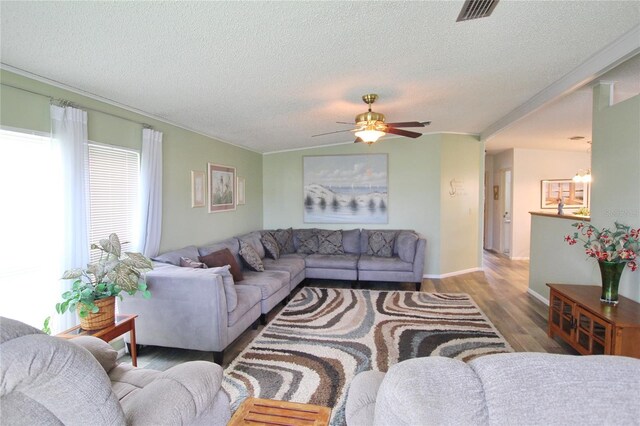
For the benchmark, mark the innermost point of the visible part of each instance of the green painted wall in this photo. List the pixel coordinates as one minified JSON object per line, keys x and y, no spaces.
{"x":416,"y":176}
{"x":615,"y":196}
{"x":183,"y":151}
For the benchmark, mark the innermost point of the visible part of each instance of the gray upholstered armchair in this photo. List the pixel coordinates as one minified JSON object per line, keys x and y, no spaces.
{"x":48,"y":380}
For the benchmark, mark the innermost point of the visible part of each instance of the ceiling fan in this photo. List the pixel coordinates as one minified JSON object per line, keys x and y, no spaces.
{"x":370,"y":125}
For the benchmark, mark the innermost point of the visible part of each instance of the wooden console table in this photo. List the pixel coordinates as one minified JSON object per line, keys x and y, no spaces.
{"x":123,"y":324}
{"x":257,"y":411}
{"x":577,"y":316}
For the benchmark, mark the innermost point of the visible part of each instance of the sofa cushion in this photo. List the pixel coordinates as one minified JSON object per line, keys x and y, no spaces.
{"x":377,"y":263}
{"x":284,"y":238}
{"x":190,"y":263}
{"x":406,"y":242}
{"x":330,"y":242}
{"x":291,"y":263}
{"x":270,"y":246}
{"x":253,"y":238}
{"x":173,"y":257}
{"x":343,"y":261}
{"x":351,"y":241}
{"x":306,"y":241}
{"x":269,"y":282}
{"x":381,"y":243}
{"x":230,"y":243}
{"x":248,"y":297}
{"x":101,"y":350}
{"x":222,"y":258}
{"x":250,"y":257}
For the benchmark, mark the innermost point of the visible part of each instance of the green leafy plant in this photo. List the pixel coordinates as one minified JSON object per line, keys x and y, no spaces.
{"x":107,"y":277}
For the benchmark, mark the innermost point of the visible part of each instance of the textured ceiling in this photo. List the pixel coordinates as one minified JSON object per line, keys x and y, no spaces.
{"x":268,"y":75}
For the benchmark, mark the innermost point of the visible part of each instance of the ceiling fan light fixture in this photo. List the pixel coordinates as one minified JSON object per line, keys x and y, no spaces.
{"x":369,"y":136}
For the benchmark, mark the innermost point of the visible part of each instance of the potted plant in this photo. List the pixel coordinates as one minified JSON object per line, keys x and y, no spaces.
{"x":613,"y":249}
{"x":95,"y":287}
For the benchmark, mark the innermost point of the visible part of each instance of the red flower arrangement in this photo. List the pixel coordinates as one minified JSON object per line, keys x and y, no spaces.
{"x":621,"y":245}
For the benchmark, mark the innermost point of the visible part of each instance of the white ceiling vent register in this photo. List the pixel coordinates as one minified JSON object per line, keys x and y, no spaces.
{"x":474,"y":9}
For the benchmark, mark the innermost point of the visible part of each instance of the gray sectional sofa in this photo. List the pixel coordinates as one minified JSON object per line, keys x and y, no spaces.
{"x":206,"y":309}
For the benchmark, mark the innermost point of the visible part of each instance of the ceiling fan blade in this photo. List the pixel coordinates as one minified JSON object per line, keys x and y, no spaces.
{"x":330,"y":133}
{"x":358,"y":140}
{"x":344,"y":122}
{"x":406,"y":124}
{"x":403,"y":132}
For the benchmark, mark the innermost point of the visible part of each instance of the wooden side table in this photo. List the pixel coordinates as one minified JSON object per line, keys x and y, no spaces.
{"x":258,"y":411}
{"x":123,"y":324}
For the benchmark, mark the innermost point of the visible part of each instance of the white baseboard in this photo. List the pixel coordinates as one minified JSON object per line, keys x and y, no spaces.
{"x":121,"y":353}
{"x":452,"y":274}
{"x":538,"y":296}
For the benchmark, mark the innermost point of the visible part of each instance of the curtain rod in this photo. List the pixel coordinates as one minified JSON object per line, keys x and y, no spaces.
{"x":64,"y":103}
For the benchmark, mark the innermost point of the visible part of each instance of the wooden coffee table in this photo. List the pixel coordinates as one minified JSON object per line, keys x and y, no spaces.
{"x":257,"y":411}
{"x":123,"y":324}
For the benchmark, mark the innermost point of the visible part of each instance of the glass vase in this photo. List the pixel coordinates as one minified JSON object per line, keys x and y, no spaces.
{"x":610,"y":273}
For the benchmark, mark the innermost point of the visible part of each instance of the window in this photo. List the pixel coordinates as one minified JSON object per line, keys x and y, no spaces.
{"x":114,"y":187}
{"x":30,"y":265}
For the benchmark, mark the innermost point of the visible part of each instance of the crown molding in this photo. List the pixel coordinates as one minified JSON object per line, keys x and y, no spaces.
{"x":597,"y":65}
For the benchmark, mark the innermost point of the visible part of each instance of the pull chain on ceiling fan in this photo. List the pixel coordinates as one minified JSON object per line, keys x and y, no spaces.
{"x":370,"y":125}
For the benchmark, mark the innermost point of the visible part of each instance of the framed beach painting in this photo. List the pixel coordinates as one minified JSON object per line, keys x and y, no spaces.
{"x":346,"y":189}
{"x":574,"y":194}
{"x":198,"y":185}
{"x":222,"y":188}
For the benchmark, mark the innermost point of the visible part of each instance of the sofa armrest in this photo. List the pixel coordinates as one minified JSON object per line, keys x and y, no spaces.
{"x":179,"y":395}
{"x":101,"y":350}
{"x":361,"y":400}
{"x":418,"y":261}
{"x":187,"y":309}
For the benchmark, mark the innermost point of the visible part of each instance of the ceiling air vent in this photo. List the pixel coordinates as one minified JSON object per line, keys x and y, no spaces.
{"x":474,"y":9}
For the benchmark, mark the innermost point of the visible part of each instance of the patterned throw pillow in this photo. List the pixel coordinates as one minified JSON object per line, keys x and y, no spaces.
{"x":270,"y":246}
{"x":381,"y":243}
{"x":221,"y":258}
{"x":307,"y":241}
{"x":190,"y":263}
{"x":250,"y":257}
{"x":284,"y":238}
{"x":330,"y":242}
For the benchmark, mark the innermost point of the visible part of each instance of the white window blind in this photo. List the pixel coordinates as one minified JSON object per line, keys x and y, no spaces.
{"x":114,"y":186}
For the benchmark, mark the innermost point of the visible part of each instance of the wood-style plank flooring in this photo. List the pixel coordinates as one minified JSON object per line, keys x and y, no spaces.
{"x":500,"y":291}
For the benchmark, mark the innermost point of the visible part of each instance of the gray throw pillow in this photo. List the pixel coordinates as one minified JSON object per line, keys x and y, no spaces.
{"x":250,"y":256}
{"x":307,"y":241}
{"x":284,"y":238}
{"x":190,"y":263}
{"x":330,"y":242}
{"x":270,"y":246}
{"x":406,"y":245}
{"x":381,"y":243}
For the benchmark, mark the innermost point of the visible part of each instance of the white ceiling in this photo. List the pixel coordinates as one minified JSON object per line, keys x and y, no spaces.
{"x":268,"y":75}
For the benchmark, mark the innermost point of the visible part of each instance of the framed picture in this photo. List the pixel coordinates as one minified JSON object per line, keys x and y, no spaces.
{"x":198,"y":188}
{"x":345,"y":189}
{"x":222,"y":189}
{"x":240,"y":190}
{"x":574,"y":194}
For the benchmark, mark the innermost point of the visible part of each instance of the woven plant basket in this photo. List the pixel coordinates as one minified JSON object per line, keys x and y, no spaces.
{"x":103,"y":318}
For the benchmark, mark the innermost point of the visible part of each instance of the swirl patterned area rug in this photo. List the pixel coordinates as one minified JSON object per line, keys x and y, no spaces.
{"x":314,"y":347}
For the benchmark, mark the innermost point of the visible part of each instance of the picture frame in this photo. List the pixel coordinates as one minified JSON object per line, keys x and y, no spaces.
{"x":574,"y":194}
{"x":350,"y":188}
{"x":198,"y":188}
{"x":222,"y":188}
{"x":240,"y":191}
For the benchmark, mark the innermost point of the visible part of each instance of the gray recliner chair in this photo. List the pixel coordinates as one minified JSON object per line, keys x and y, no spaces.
{"x":509,"y":389}
{"x":49,"y":380}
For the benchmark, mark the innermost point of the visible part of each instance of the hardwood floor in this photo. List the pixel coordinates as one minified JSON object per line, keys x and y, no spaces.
{"x":500,"y":291}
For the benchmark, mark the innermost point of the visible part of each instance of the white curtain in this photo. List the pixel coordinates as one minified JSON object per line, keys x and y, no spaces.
{"x":150,"y":217}
{"x":69,"y":137}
